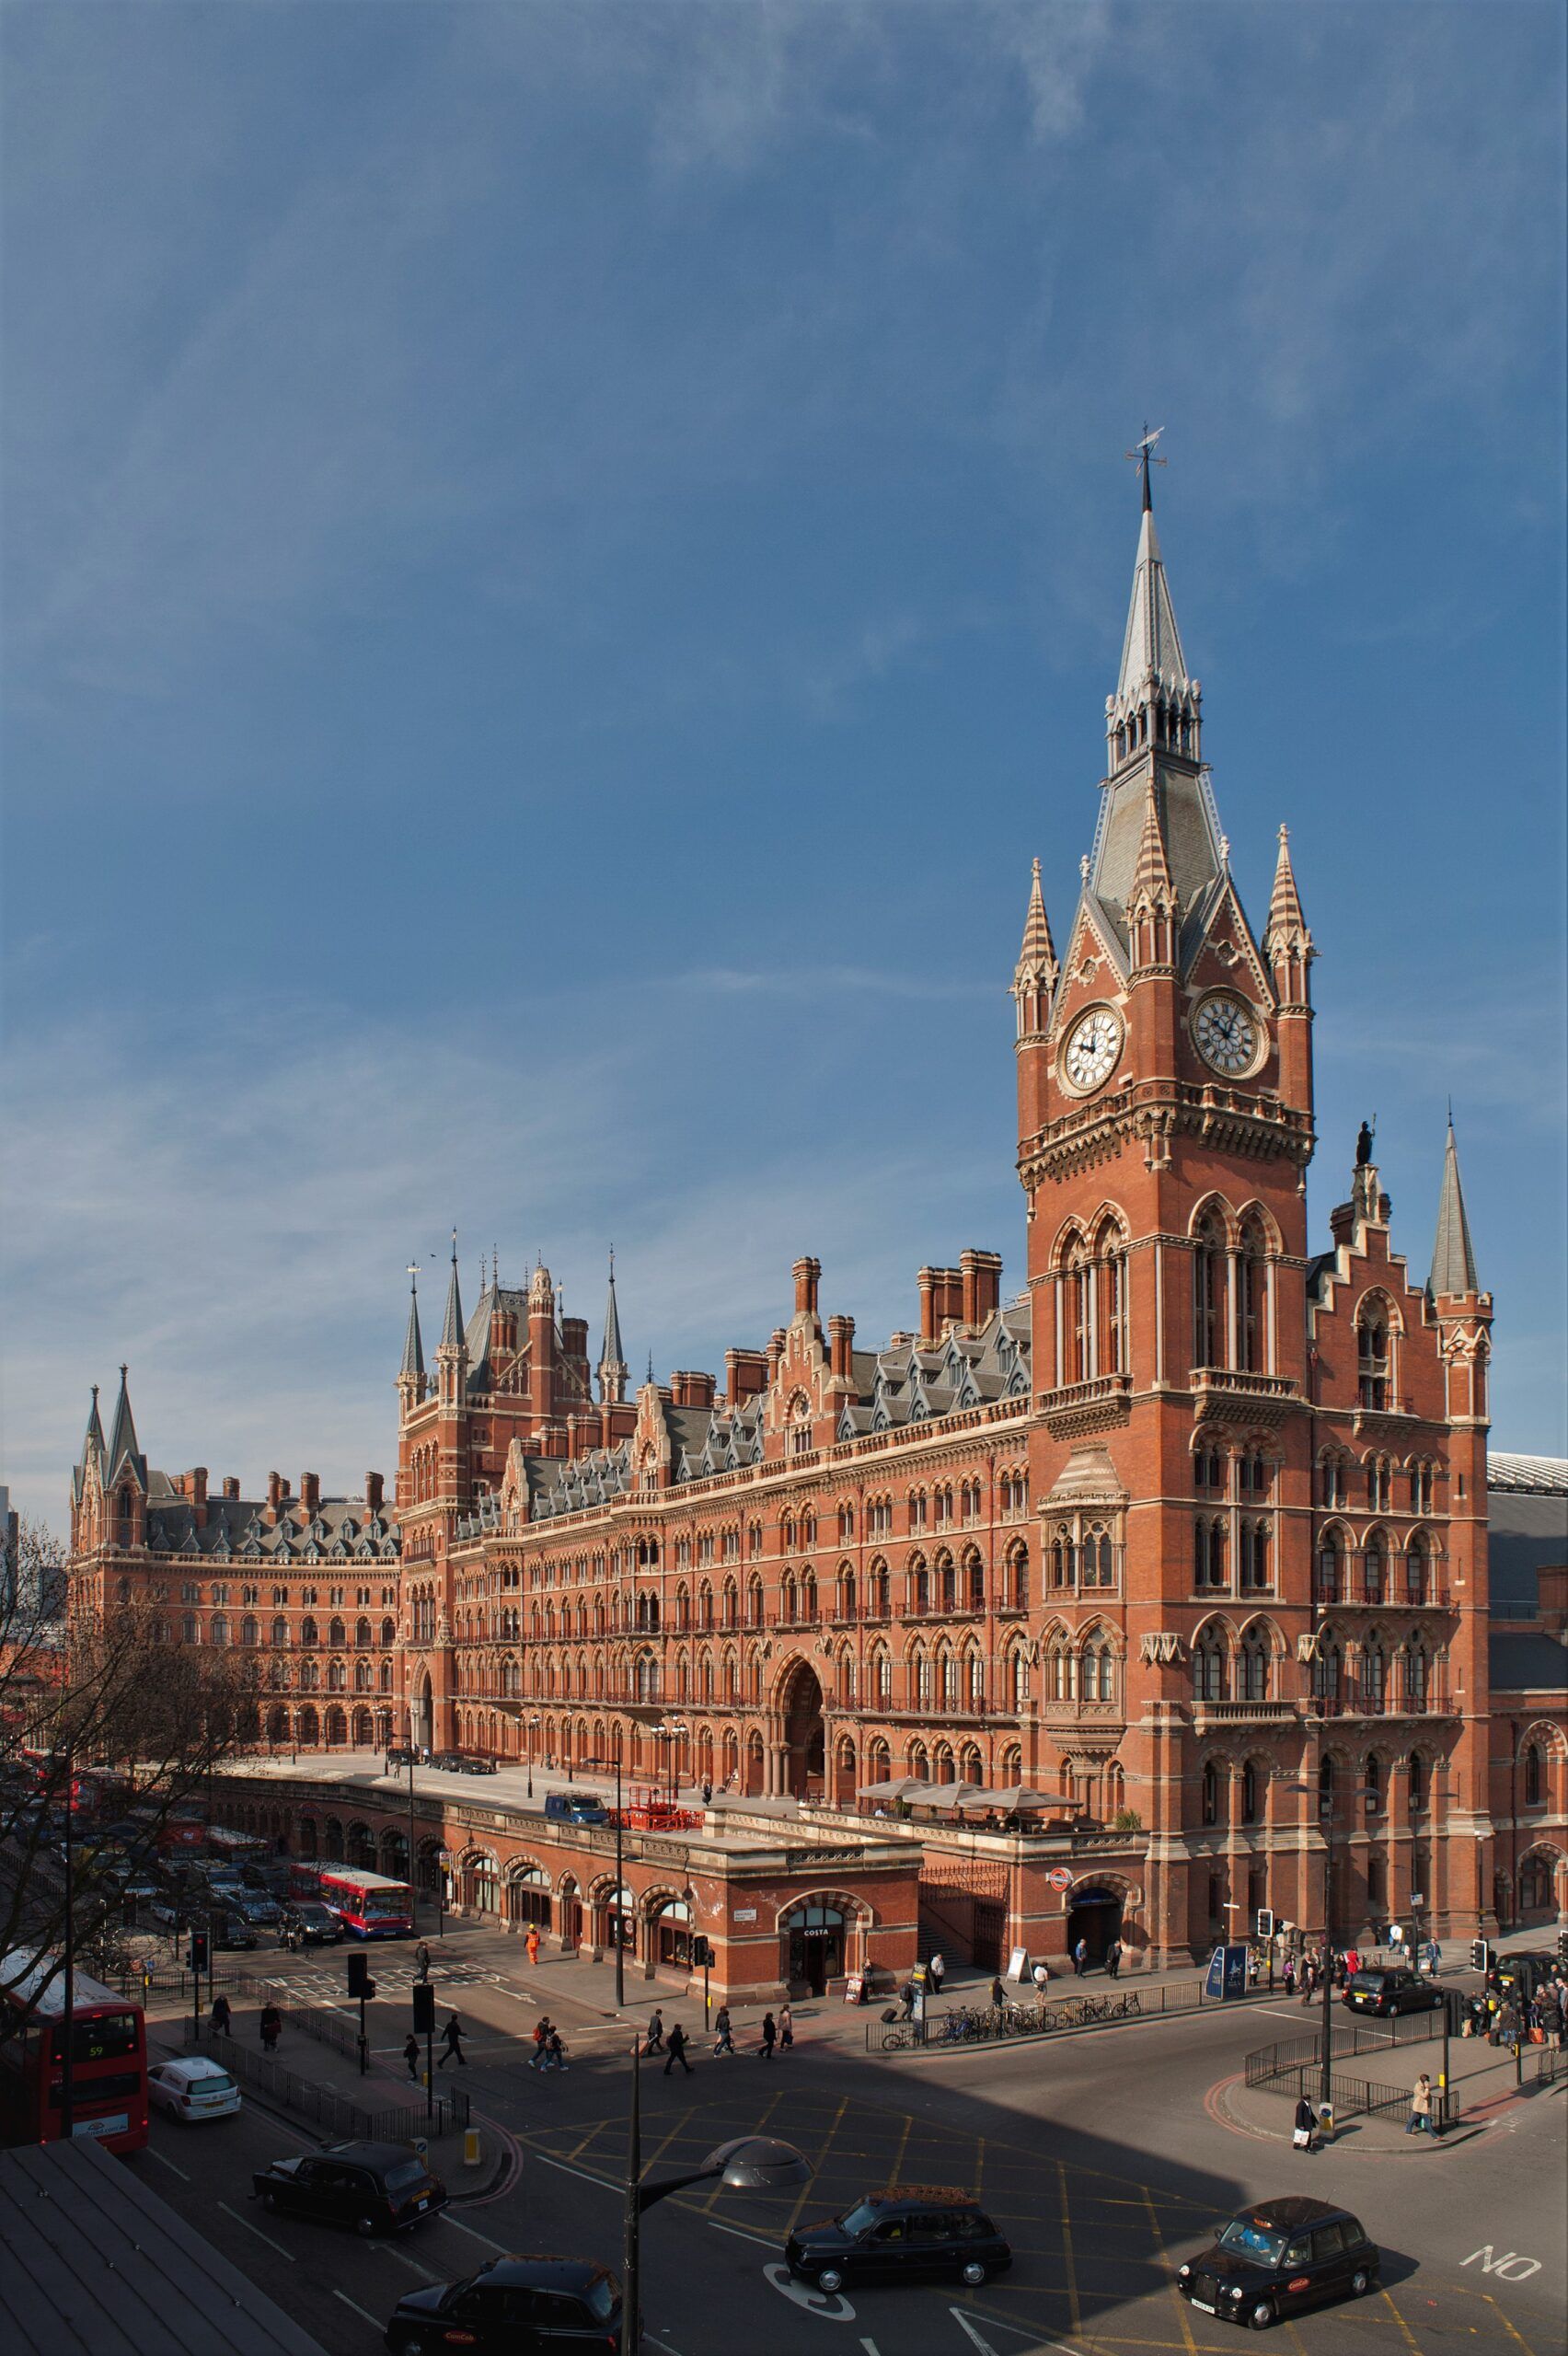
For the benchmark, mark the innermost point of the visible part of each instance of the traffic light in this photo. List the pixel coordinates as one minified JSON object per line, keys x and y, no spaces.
{"x":1480,"y":1955}
{"x":424,"y":2005}
{"x":1265,"y":1923}
{"x":201,"y":1952}
{"x":359,"y":1981}
{"x":701,"y":1951}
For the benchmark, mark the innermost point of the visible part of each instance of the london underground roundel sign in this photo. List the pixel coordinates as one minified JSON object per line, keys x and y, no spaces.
{"x":1059,"y":1877}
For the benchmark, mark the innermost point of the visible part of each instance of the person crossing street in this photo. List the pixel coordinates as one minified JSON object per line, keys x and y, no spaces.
{"x":453,"y":2035}
{"x":724,"y":2041}
{"x":769,"y":2036}
{"x":411,"y":2055}
{"x":655,"y":2043}
{"x":421,"y":1962}
{"x":677,"y":2050}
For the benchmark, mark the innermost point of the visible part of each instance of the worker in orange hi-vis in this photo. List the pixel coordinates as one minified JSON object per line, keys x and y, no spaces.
{"x":532,"y":1943}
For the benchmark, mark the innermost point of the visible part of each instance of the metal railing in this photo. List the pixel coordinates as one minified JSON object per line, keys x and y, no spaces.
{"x":993,"y":2024}
{"x":1356,"y":2097}
{"x":343,"y":2118}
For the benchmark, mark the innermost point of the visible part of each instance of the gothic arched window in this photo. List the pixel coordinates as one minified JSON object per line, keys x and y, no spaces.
{"x":1208,"y":1667}
{"x":1374,"y":1355}
{"x":1208,"y":1293}
{"x":1252,"y":1304}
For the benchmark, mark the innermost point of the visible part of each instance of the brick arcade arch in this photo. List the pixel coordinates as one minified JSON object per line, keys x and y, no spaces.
{"x":799,"y":1708}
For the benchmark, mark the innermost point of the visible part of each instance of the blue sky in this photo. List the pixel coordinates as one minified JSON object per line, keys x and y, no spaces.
{"x":560,"y":561}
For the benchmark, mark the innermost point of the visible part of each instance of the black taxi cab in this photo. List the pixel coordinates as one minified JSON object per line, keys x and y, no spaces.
{"x":1278,"y":2258}
{"x":908,"y":2232}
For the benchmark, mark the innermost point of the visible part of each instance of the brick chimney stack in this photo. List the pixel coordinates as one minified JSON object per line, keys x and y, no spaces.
{"x":982,"y":1276}
{"x":774,"y":1353}
{"x":231,"y":1487}
{"x":691,"y":1389}
{"x":808,"y":1277}
{"x":841,"y":1346}
{"x":275,"y":1494}
{"x":375,"y":1490}
{"x":310,"y":1493}
{"x":927,"y":1283}
{"x":746,"y":1373}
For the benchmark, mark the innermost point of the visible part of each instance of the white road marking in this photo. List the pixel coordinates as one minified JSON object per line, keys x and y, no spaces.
{"x":871,"y":2347}
{"x":473,"y":2234}
{"x":257,"y":2231}
{"x":605,"y":2184}
{"x":663,"y":2345}
{"x":744,"y":2233}
{"x":167,"y":2163}
{"x":998,"y":2323}
{"x":830,"y":2306}
{"x":374,"y":2321}
{"x":403,"y":2259}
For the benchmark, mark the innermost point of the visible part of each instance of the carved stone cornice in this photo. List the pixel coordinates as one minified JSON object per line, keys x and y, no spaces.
{"x":1160,"y":1645}
{"x":1227,"y":1394}
{"x":1232,"y":1121}
{"x":1082,"y":1407}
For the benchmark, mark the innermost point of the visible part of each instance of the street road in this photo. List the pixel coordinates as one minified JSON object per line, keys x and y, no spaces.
{"x":1105,"y":2158}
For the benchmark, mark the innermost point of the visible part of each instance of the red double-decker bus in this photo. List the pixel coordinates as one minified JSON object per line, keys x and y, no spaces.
{"x":369,"y":1905}
{"x":109,"y":2051}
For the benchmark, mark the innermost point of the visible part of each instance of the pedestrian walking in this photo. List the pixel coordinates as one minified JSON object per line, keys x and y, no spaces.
{"x":998,"y":1993}
{"x":677,"y":2049}
{"x":222,"y":2021}
{"x":655,"y":2043}
{"x":1041,"y":1975}
{"x":1081,"y":1958}
{"x":936,"y":1972}
{"x":906,"y":1997}
{"x":541,"y":2038}
{"x":452,"y":2037}
{"x":411,"y":2055}
{"x":554,"y":2050}
{"x":724,"y":2041}
{"x":1290,"y":1975}
{"x":1301,"y":2134}
{"x":707,"y":1794}
{"x":1420,"y":2120}
{"x":770,"y":2034}
{"x":532,"y":1943}
{"x":786,"y":2028}
{"x":421,"y":1962}
{"x":1114,"y":1958}
{"x":271,"y":2026}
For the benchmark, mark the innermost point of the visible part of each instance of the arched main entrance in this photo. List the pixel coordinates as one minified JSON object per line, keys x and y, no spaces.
{"x":816,"y":1937}
{"x":1095,"y":1917}
{"x":799,"y":1704}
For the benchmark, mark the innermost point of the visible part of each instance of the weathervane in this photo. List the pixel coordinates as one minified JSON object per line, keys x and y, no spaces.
{"x":1143,"y":457}
{"x":412,"y":1273}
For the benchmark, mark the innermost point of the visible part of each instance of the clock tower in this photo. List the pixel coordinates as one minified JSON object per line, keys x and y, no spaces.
{"x":1165,"y":1126}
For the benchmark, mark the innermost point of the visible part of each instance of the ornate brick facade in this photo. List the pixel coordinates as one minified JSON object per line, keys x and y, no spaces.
{"x":1193,"y":1529}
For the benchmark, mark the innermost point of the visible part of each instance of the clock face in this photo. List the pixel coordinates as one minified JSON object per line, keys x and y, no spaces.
{"x":1227,"y":1032}
{"x":1093,"y":1044}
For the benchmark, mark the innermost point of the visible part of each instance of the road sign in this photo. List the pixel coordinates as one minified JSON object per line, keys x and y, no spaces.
{"x":1059,"y":1877}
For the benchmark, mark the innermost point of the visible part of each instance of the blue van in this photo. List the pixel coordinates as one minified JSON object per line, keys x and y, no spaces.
{"x":576,"y":1808}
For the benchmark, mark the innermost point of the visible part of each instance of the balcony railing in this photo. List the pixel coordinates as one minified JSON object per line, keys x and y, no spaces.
{"x":1387,"y":1594}
{"x":1352,"y":1703}
{"x":1236,"y":1714}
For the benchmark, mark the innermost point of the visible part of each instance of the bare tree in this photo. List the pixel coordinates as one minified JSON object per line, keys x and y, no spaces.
{"x":98,"y":1714}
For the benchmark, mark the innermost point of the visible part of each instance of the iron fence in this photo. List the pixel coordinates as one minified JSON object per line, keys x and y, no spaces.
{"x":1354,"y":2097}
{"x":343,"y":2118}
{"x":993,"y":2024}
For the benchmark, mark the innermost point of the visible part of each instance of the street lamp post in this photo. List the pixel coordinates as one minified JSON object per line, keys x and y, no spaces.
{"x":617,"y":1925}
{"x":532,"y":1730}
{"x":747,"y":2163}
{"x":1326,"y":1827}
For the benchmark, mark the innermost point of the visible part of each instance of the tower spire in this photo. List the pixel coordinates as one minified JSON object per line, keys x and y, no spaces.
{"x":122,"y":1445}
{"x":93,"y":1437}
{"x":1035,"y":975}
{"x":413,"y":1366}
{"x":613,"y":1367}
{"x":1285,"y":933}
{"x":452,"y":1324}
{"x":1453,"y":1254}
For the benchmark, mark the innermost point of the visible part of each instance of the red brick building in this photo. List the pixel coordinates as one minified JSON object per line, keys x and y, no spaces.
{"x":1192,"y":1527}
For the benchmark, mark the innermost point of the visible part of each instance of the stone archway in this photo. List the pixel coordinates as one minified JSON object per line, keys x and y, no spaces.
{"x":799,"y":1711}
{"x":424,"y":1714}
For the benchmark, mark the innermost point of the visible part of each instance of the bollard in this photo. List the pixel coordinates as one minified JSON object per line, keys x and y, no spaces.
{"x":470,"y":2147}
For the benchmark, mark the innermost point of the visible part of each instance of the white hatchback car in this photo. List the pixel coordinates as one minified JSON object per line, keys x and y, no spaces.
{"x":193,"y":2089}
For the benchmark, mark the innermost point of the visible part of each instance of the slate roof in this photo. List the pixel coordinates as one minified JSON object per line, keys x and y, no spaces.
{"x":237,"y":1529}
{"x":1525,"y":1661}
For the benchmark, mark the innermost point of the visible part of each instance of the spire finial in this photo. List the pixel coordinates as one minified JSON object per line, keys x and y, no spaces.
{"x":1143,"y":457}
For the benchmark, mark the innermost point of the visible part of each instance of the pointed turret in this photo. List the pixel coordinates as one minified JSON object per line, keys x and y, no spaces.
{"x":613,"y":1369}
{"x":92,"y":1440}
{"x":1035,"y":975}
{"x":1151,"y":903}
{"x":123,"y":1448}
{"x":1286,"y":932}
{"x":1453,"y":1256}
{"x":411,"y":1374}
{"x":452,"y":1324}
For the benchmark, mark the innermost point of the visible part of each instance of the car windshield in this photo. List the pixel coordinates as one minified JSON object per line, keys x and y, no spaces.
{"x":1259,"y":2245}
{"x":863,"y":2214}
{"x":214,"y":2081}
{"x":406,"y":2174}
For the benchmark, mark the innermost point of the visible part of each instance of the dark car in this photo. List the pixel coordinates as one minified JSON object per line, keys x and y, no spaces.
{"x":1278,"y":2258}
{"x":463,"y":1762}
{"x":1521,"y":1975}
{"x":576,"y":1808}
{"x":1390,"y":1990}
{"x":306,"y":1923}
{"x":514,"y":2306}
{"x":231,"y":1930}
{"x":401,"y":1755}
{"x":374,"y":2188}
{"x":898,"y":2235}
